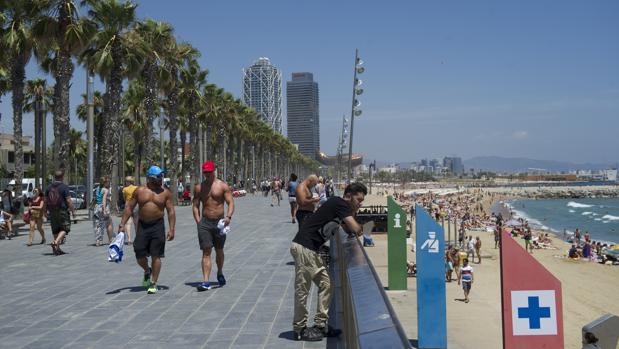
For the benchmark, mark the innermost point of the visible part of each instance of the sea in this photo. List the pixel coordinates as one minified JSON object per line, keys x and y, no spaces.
{"x":600,"y":217}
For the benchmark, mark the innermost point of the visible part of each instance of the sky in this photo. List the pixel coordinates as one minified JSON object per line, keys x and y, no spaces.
{"x":536,"y":79}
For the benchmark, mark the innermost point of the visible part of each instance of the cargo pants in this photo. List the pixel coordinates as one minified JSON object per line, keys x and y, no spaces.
{"x":309,"y":267}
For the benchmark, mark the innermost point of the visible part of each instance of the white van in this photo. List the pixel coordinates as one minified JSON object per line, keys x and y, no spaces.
{"x":27,"y":186}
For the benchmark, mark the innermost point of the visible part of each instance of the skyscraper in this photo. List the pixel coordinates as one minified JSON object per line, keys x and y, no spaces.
{"x":302,"y":113}
{"x":262,"y":90}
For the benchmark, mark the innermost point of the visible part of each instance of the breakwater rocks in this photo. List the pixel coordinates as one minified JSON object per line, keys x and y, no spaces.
{"x":565,"y":193}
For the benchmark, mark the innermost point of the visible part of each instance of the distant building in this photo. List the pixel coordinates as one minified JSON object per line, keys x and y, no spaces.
{"x":393,"y":168}
{"x":454,"y":165}
{"x":262,"y":90}
{"x":7,"y":151}
{"x":303,"y":119}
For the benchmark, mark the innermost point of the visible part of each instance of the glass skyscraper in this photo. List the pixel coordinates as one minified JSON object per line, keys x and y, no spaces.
{"x":302,"y":113}
{"x":262,"y":90}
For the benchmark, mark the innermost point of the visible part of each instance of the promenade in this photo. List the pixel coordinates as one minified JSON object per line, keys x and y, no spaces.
{"x":79,"y":300}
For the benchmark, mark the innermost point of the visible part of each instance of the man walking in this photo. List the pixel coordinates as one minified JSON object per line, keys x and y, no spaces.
{"x":212,"y":193}
{"x":309,"y":266}
{"x":58,"y":203}
{"x":305,"y":200}
{"x":291,"y":188}
{"x":150,"y":237}
{"x":276,"y":188}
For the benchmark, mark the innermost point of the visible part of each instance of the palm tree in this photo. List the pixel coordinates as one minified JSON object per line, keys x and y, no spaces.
{"x":175,"y":57}
{"x":37,"y":95}
{"x":192,"y":82}
{"x":17,"y":40}
{"x":155,"y":38}
{"x":62,"y":35}
{"x":77,"y":153}
{"x":112,"y":55}
{"x":135,"y":120}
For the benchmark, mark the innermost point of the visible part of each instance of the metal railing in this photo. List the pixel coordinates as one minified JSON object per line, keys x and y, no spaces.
{"x":361,"y":307}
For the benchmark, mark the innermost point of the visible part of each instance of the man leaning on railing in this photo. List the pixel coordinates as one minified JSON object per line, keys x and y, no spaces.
{"x":316,"y":230}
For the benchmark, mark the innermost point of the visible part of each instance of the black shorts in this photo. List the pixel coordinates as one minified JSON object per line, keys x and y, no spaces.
{"x":302,"y":215}
{"x":60,"y":221}
{"x":150,"y":239}
{"x":209,"y":235}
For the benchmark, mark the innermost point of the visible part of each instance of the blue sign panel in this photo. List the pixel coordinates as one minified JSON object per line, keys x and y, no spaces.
{"x":431,"y":307}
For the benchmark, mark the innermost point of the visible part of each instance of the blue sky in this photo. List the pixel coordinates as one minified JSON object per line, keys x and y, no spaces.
{"x":536,"y":79}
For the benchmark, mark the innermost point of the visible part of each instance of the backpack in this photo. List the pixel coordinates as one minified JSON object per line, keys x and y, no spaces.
{"x":54,"y":198}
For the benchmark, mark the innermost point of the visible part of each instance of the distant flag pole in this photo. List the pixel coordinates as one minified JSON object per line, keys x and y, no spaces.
{"x":531,"y":300}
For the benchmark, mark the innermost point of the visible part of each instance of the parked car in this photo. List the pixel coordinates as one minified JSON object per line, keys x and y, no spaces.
{"x":79,"y":189}
{"x":78,"y":202}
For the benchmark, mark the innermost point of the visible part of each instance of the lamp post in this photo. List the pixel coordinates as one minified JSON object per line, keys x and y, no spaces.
{"x":355,"y":111}
{"x":43,"y":144}
{"x":91,"y":131}
{"x":370,"y":167}
{"x":37,"y":142}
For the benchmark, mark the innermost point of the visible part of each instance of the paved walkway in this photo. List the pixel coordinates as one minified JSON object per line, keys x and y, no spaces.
{"x":79,"y":300}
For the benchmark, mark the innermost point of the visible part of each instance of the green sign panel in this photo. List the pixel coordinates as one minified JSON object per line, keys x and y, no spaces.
{"x":396,"y":246}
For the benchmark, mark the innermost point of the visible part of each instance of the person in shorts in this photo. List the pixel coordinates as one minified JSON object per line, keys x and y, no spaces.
{"x":291,"y":188}
{"x":212,"y":194}
{"x":150,"y":237}
{"x":466,"y":278}
{"x":306,"y":201}
{"x":58,"y":203}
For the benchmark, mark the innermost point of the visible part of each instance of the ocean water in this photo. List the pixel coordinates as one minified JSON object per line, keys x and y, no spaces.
{"x":600,"y":217}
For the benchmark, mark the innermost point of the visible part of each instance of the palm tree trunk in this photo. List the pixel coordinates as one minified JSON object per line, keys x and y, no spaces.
{"x":63,"y":74}
{"x":150,"y":103}
{"x":173,"y":145}
{"x":18,"y":75}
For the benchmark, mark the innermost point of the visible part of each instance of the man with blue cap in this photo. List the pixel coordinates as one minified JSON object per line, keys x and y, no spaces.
{"x":150,"y":236}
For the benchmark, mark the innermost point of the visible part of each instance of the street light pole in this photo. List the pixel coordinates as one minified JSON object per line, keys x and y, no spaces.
{"x":90,"y":130}
{"x":354,"y":111}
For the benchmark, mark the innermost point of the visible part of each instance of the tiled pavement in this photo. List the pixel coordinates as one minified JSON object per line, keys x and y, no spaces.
{"x":79,"y":300}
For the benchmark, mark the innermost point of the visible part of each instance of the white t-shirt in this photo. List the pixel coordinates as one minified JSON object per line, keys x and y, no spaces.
{"x":471,"y":244}
{"x":467,"y":273}
{"x":2,"y":217}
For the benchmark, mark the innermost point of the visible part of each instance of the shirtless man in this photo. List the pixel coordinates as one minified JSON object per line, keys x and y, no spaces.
{"x":306,"y":202}
{"x":150,"y":235}
{"x":211,"y":193}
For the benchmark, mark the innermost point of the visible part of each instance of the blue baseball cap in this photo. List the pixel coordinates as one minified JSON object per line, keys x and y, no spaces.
{"x":154,"y":171}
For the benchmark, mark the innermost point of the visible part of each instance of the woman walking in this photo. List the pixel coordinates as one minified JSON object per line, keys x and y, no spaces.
{"x":103,"y":221}
{"x":291,"y":188}
{"x":36,"y":215}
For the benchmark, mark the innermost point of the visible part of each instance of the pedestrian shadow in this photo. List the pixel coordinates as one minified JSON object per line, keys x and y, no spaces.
{"x":414,"y":343}
{"x":459,"y":299}
{"x":197,"y":283}
{"x":290,"y":263}
{"x":136,"y":289}
{"x":287,"y":335}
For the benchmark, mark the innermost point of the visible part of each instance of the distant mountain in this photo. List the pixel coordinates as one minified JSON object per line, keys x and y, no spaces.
{"x":511,"y":165}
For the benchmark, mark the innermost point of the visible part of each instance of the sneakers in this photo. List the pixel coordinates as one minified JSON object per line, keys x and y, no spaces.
{"x":311,"y":334}
{"x":205,"y":286}
{"x":152,"y":289}
{"x":221,"y":279}
{"x":328,"y":331}
{"x":146,"y":280}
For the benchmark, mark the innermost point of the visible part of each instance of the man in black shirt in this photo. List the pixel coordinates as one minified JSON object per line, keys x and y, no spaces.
{"x":309,"y":266}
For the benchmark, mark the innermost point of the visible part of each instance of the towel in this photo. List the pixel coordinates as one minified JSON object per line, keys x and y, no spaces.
{"x":115,"y":251}
{"x":223,"y":230}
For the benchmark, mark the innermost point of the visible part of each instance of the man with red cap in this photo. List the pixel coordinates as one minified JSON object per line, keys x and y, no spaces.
{"x":212,"y":193}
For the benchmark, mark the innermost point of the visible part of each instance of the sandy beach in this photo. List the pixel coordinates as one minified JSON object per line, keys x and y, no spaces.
{"x":589,"y":291}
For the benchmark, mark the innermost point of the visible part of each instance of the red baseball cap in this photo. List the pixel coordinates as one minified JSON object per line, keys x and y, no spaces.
{"x":208,"y":166}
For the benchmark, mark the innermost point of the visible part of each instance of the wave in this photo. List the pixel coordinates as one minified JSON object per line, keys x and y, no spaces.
{"x":577,"y":205}
{"x":586,"y":213}
{"x":534,"y":223}
{"x":610,"y":218}
{"x":572,"y":211}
